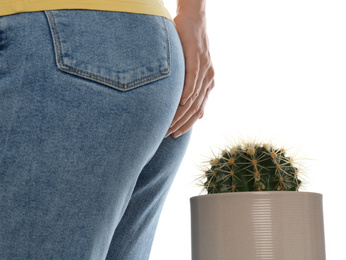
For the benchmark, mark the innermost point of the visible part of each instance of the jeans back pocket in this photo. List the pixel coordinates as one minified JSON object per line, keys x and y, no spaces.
{"x":120,"y":50}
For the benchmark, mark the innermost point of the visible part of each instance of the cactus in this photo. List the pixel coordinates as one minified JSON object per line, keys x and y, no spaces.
{"x":251,"y":167}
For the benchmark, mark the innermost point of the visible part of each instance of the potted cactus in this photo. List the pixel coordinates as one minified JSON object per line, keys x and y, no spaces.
{"x":253,"y":209}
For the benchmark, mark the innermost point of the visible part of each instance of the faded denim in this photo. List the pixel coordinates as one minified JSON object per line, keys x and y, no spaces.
{"x":86,"y":98}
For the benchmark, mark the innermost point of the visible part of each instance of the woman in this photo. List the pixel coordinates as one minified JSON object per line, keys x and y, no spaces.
{"x":97,"y":101}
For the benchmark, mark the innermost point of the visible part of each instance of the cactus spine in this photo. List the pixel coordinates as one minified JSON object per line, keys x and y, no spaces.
{"x":252,"y":167}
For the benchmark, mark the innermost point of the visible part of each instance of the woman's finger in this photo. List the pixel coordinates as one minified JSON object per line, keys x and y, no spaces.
{"x":202,"y":77}
{"x":190,"y":120}
{"x":181,"y":111}
{"x":191,"y":116}
{"x":185,"y":112}
{"x":192,"y":65}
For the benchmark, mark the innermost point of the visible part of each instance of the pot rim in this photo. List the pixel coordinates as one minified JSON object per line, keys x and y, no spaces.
{"x":257,"y":193}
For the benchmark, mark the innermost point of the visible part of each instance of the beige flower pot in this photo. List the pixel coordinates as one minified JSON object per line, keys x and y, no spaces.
{"x":275,"y":225}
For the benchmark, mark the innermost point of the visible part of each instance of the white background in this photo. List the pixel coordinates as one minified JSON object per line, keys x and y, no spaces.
{"x":280,"y":75}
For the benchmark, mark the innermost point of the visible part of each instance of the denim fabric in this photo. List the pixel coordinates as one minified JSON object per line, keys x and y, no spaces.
{"x":86,"y":98}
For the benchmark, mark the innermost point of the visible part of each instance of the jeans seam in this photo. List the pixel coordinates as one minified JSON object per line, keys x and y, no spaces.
{"x":67,"y":68}
{"x":167,"y":42}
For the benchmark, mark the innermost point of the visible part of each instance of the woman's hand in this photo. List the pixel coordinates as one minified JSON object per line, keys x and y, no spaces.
{"x":199,"y":71}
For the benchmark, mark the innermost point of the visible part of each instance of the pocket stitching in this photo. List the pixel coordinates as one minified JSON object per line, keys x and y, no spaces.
{"x":141,"y":81}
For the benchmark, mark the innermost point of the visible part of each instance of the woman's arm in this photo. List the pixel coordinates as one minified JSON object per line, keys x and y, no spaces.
{"x":190,"y":23}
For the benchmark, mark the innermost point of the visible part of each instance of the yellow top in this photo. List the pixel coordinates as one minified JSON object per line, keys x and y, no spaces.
{"x":152,"y":7}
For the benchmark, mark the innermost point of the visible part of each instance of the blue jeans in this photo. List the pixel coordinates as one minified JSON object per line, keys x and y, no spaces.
{"x":86,"y":98}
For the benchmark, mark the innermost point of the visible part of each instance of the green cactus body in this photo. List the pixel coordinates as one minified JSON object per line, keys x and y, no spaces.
{"x":252,"y":167}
